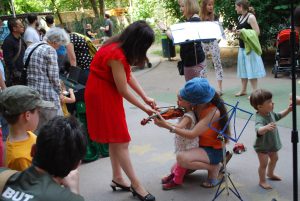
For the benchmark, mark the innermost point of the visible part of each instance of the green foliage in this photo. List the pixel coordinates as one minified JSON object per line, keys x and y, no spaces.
{"x":28,"y":6}
{"x":5,"y":7}
{"x":271,"y":15}
{"x":143,"y":9}
{"x":173,"y":8}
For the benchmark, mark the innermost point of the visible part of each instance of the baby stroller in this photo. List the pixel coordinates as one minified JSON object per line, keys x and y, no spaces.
{"x":283,"y":62}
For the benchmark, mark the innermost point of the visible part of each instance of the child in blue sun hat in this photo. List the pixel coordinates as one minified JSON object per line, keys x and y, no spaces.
{"x":209,"y":108}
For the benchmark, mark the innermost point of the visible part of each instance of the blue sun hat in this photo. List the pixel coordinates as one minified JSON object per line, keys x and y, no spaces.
{"x":197,"y":91}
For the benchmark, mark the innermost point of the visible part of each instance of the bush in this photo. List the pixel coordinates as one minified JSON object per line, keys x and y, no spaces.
{"x":271,"y":15}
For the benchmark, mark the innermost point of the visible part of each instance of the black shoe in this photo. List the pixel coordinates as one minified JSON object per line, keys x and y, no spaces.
{"x":114,"y":185}
{"x":147,"y":197}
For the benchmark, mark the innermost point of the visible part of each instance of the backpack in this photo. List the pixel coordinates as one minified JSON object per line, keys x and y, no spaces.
{"x":91,"y":46}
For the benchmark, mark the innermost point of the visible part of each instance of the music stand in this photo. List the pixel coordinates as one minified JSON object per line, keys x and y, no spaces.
{"x":222,"y":135}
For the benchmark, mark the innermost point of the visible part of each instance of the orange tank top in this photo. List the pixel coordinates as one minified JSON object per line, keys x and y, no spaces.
{"x":210,"y":137}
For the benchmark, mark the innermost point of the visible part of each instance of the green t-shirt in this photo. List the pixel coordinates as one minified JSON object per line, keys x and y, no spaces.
{"x":270,"y":141}
{"x":31,"y":185}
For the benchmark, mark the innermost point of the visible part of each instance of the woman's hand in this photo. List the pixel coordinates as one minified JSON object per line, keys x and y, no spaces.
{"x":150,"y":101}
{"x":149,"y":111}
{"x":161,"y":122}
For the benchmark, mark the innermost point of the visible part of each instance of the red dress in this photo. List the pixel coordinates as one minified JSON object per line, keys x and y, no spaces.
{"x":105,"y":113}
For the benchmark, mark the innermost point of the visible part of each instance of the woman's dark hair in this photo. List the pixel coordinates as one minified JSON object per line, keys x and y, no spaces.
{"x":259,"y":96}
{"x":60,"y":146}
{"x":219,"y":103}
{"x":135,"y":40}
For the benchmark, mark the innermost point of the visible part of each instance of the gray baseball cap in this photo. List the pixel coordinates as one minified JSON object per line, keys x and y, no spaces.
{"x":18,"y":99}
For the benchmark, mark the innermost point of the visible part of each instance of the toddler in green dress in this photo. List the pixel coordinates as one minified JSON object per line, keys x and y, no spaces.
{"x":267,"y":138}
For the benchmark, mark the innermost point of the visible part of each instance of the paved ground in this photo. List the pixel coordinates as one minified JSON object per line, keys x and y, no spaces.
{"x":152,"y":148}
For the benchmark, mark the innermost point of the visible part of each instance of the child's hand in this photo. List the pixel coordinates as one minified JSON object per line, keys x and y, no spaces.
{"x":290,"y":108}
{"x":270,"y":127}
{"x":72,"y":181}
{"x":160,"y":121}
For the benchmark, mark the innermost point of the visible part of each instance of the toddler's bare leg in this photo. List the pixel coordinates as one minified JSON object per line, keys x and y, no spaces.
{"x":263,"y":163}
{"x":273,"y":160}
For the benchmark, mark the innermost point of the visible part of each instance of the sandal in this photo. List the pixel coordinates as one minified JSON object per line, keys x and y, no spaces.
{"x":220,"y":93}
{"x":211,"y":183}
{"x":240,"y":94}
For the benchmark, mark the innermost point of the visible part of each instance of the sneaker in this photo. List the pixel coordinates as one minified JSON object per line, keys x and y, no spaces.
{"x":171,"y":185}
{"x":167,"y":179}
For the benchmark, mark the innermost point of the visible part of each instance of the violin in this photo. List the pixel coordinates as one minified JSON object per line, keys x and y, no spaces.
{"x":171,"y":112}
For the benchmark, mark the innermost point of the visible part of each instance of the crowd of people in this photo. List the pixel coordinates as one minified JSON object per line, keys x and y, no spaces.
{"x":46,"y":144}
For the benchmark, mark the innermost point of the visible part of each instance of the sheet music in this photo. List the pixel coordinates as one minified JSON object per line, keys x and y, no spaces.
{"x":192,"y":31}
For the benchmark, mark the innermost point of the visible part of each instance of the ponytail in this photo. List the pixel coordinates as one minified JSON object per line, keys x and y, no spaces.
{"x":219,"y":103}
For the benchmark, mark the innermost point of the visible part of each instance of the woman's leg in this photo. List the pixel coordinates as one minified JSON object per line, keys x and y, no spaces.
{"x":244,"y":87}
{"x":271,"y":166}
{"x":116,"y":167}
{"x":253,"y":83}
{"x":263,"y":163}
{"x":120,"y":159}
{"x":216,"y":58}
{"x":197,"y":158}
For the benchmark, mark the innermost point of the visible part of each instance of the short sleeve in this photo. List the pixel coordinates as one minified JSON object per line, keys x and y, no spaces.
{"x":117,"y":53}
{"x":277,"y":116}
{"x":258,"y":122}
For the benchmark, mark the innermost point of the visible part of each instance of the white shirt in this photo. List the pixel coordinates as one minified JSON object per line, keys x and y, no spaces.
{"x":31,"y":35}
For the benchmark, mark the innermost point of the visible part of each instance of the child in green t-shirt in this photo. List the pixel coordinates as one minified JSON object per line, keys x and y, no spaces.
{"x":267,"y":141}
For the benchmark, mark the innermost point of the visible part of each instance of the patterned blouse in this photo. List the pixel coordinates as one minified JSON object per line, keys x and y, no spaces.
{"x":83,"y":58}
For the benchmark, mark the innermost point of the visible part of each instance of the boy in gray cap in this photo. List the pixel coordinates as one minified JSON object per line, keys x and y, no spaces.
{"x":20,"y":105}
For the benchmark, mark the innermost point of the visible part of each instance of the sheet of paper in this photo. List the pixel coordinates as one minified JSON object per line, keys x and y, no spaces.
{"x":192,"y":31}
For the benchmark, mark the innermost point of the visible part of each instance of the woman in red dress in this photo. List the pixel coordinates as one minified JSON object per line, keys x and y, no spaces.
{"x":108,"y":83}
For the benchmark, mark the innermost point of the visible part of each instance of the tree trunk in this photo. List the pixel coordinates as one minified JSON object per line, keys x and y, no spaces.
{"x":57,"y":12}
{"x":102,"y":7}
{"x":95,"y":8}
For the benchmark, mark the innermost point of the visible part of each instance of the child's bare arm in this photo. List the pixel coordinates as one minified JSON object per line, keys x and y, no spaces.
{"x":185,"y":122}
{"x":285,"y":112}
{"x":264,"y":129}
{"x":70,"y":99}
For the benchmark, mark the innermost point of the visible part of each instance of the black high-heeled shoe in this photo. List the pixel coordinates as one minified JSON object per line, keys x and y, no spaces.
{"x":147,"y":197}
{"x":114,"y":185}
